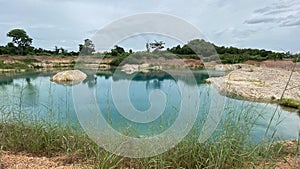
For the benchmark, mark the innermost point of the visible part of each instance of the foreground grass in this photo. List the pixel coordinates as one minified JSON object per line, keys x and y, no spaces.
{"x":229,"y":148}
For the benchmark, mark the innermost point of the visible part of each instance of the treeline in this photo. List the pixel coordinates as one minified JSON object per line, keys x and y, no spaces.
{"x":210,"y":51}
{"x":11,"y":49}
{"x":21,"y":45}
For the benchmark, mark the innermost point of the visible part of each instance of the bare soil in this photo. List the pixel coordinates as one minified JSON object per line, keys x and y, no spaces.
{"x":66,"y":61}
{"x":289,"y":159}
{"x":279,"y":64}
{"x":24,"y":160}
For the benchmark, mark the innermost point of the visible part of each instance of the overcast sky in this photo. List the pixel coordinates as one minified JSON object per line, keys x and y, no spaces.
{"x":268,"y":24}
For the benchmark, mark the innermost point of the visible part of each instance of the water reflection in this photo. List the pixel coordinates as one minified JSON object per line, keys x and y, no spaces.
{"x":6,"y":82}
{"x":153,"y":84}
{"x":37,"y":91}
{"x":200,"y":76}
{"x":30,"y":93}
{"x":8,"y":78}
{"x":91,"y":80}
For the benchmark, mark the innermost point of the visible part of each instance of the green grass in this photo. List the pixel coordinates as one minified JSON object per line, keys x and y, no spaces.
{"x":29,"y":60}
{"x":229,"y":148}
{"x":290,"y":103}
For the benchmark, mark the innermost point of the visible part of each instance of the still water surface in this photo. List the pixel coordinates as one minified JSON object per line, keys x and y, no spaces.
{"x":42,"y":100}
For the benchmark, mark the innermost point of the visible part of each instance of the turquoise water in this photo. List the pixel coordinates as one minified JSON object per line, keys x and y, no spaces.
{"x":40,"y":99}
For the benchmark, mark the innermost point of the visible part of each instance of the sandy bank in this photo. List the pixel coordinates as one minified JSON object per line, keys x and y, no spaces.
{"x":259,"y":83}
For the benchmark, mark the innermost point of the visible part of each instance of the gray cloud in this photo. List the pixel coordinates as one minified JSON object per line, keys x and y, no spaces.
{"x":236,"y":35}
{"x":282,"y":13}
{"x":278,"y":11}
{"x":261,"y":20}
{"x":273,"y":7}
{"x":68,"y":22}
{"x":295,"y":22}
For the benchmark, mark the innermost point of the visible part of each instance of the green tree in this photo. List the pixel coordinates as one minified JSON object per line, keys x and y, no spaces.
{"x":11,"y":49}
{"x":201,"y":47}
{"x":117,"y":51}
{"x":62,"y":51}
{"x":56,"y":50}
{"x":21,"y":39}
{"x":87,"y":48}
{"x":156,"y":45}
{"x":2,"y":50}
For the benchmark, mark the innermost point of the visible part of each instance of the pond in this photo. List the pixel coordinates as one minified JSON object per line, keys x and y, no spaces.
{"x":31,"y":96}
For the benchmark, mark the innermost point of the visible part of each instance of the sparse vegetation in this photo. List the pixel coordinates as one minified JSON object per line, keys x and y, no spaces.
{"x":290,"y":103}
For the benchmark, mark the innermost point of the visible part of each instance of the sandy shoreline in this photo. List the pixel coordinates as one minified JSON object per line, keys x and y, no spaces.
{"x":259,"y":84}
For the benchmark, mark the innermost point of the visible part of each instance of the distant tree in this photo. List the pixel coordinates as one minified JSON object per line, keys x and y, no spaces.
{"x":186,"y":50}
{"x":176,"y":50}
{"x":157,"y":45}
{"x":201,"y":47}
{"x":117,"y":51}
{"x":147,"y":47}
{"x":288,"y":54}
{"x":2,"y":50}
{"x":11,"y":49}
{"x":87,"y":48}
{"x":56,"y":50}
{"x":62,"y":51}
{"x":20,"y":38}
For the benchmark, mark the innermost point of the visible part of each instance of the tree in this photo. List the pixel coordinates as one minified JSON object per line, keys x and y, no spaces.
{"x":21,"y":39}
{"x":87,"y":48}
{"x":201,"y":47}
{"x":147,"y":47}
{"x":117,"y":51}
{"x":157,"y":45}
{"x":11,"y":48}
{"x":56,"y":50}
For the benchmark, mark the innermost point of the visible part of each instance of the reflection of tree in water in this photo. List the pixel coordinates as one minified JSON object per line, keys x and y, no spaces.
{"x":153,"y":84}
{"x":30,"y":93}
{"x":188,"y":79}
{"x":6,"y":82}
{"x":28,"y":80}
{"x":91,"y":81}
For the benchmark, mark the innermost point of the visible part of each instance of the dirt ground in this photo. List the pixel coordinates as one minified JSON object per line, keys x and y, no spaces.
{"x":28,"y":161}
{"x":281,"y":64}
{"x":50,"y":61}
{"x":289,"y":160}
